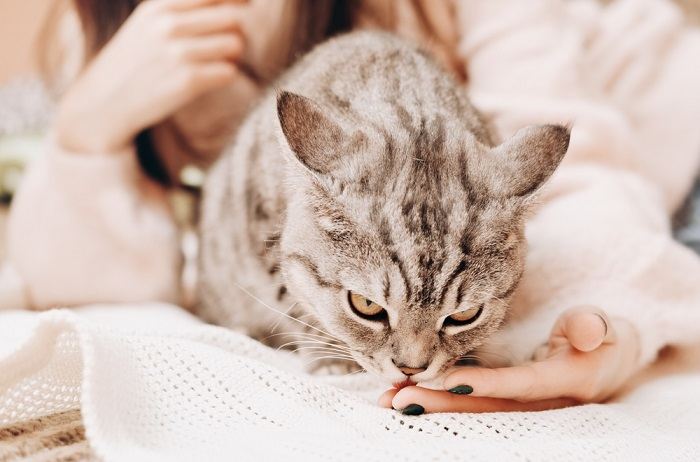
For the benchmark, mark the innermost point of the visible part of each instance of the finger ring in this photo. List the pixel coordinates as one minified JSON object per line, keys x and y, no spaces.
{"x":605,"y":323}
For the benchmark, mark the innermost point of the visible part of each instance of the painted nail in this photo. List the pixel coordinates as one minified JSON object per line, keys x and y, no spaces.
{"x":461,"y":390}
{"x":413,"y":409}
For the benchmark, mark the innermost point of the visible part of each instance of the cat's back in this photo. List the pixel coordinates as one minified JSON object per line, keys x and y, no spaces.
{"x":372,"y":76}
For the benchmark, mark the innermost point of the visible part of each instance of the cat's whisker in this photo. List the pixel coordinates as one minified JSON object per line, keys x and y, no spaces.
{"x":331,"y":344}
{"x":320,"y":347}
{"x":375,"y":375}
{"x":472,"y":357}
{"x":322,"y":338}
{"x":359,"y":371}
{"x":508,"y":357}
{"x":311,"y":334}
{"x":293,"y":334}
{"x":353,"y":373}
{"x":314,"y":350}
{"x":247,"y":292}
{"x":316,"y":343}
{"x":311,"y":337}
{"x":291,"y":307}
{"x":328,"y":357}
{"x":478,"y":359}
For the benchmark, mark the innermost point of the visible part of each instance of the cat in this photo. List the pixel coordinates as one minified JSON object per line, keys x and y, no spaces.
{"x":365,"y":213}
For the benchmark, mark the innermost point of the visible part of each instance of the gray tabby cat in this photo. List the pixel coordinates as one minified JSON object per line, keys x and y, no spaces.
{"x":368,"y":200}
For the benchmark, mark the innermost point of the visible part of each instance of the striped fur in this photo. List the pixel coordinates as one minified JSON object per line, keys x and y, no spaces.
{"x":370,"y":171}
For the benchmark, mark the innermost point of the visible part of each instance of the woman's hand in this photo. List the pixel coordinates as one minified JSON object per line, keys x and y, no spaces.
{"x":587,"y":359}
{"x":165,"y":55}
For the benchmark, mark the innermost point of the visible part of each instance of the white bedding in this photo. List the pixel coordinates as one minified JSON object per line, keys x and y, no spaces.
{"x":153,"y":383}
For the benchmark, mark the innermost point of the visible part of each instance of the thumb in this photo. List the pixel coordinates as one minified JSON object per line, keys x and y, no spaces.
{"x":585,"y":328}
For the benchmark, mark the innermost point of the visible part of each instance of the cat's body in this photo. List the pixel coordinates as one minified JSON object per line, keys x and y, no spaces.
{"x":380,"y":179}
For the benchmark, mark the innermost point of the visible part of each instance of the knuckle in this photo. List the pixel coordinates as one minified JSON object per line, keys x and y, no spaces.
{"x":177,"y":51}
{"x":228,"y":71}
{"x":188,"y":79}
{"x":230,"y":14}
{"x":232,"y":46}
{"x":167,"y":25}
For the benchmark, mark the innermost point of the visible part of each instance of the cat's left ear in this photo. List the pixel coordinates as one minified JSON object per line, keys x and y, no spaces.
{"x":522,"y":164}
{"x":312,"y":133}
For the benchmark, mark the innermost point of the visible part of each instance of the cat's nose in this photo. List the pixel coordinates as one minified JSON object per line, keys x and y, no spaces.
{"x":411,"y":370}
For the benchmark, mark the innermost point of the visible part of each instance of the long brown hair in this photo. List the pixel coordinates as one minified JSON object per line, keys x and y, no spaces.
{"x":100,"y":20}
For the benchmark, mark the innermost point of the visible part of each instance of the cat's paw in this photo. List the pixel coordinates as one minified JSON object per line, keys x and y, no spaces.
{"x":333,"y":367}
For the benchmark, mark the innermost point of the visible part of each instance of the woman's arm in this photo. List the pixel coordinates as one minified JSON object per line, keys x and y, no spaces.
{"x":86,"y":225}
{"x":622,"y":76}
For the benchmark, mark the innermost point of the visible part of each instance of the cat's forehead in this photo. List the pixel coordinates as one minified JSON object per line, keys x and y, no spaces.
{"x":424,"y":201}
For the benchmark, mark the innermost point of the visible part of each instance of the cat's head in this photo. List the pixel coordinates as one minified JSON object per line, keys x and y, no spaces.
{"x":407,"y":243}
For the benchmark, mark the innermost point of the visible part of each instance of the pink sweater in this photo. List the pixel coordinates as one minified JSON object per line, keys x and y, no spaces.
{"x":88,"y":227}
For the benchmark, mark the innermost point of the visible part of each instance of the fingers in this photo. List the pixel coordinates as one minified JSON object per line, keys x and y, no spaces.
{"x":209,"y":76}
{"x":584,"y":328}
{"x":387,"y":396}
{"x":440,"y":401}
{"x":189,"y":4}
{"x":223,"y":17}
{"x":215,"y":47}
{"x":542,"y":380}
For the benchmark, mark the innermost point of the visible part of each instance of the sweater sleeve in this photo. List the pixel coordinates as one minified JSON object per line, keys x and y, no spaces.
{"x":622,"y":76}
{"x":89,"y":227}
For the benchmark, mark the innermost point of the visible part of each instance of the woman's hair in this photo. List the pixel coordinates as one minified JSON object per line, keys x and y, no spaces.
{"x":315,"y":20}
{"x":100,"y":20}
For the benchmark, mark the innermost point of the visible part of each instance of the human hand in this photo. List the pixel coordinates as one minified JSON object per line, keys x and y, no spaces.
{"x":166,"y":54}
{"x":587,"y":359}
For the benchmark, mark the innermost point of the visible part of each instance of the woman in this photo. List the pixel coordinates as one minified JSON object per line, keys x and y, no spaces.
{"x":166,"y":82}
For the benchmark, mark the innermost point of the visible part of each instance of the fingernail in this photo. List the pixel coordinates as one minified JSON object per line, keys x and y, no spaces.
{"x":413,"y":409}
{"x":461,"y":390}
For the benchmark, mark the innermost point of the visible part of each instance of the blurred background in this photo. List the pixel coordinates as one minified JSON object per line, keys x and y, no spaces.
{"x":25,"y":105}
{"x":20,"y":25}
{"x":21,"y":98}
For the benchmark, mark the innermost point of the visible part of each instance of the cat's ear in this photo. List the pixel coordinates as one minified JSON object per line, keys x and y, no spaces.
{"x":312,"y":134}
{"x":522,"y":163}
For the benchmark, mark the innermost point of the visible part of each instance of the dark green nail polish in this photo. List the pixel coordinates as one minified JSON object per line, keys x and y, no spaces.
{"x":461,"y":390}
{"x":413,"y":409}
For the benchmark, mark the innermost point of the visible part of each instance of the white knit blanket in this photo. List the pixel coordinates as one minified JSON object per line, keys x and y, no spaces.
{"x":153,"y":383}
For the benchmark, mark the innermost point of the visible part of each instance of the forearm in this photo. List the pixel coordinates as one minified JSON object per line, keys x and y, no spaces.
{"x":602,"y":238}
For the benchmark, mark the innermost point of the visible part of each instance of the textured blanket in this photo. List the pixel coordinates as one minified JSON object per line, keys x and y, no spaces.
{"x":152,"y":383}
{"x":194,"y":392}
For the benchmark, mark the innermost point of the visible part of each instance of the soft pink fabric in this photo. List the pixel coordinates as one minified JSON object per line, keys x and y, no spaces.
{"x":627,"y":78}
{"x":86,"y":227}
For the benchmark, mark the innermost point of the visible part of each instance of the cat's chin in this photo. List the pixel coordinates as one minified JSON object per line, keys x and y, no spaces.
{"x":434,"y":383}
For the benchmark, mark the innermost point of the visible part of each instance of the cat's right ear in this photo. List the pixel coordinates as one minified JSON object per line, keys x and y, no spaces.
{"x":313,"y":136}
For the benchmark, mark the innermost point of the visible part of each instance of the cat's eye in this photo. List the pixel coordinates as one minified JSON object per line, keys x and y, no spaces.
{"x":366,"y":308}
{"x":464,"y":317}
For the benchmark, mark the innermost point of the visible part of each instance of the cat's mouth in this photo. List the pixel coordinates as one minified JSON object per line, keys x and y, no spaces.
{"x":405,"y":383}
